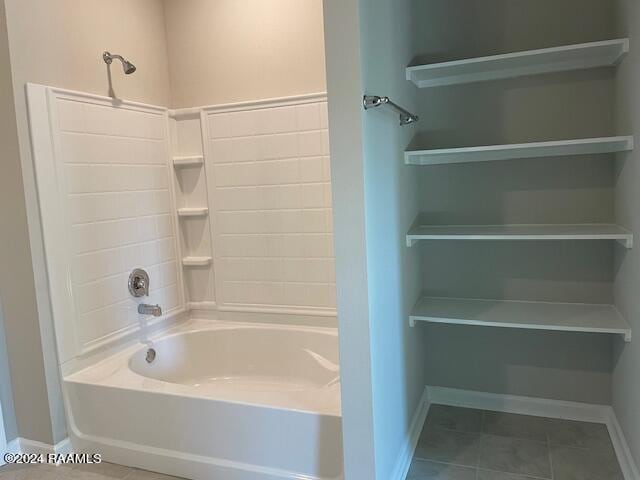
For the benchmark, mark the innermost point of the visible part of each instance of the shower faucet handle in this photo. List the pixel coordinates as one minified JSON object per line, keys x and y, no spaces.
{"x":139,"y":283}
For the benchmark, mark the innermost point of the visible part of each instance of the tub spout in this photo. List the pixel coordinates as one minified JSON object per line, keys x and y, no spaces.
{"x":155,"y":310}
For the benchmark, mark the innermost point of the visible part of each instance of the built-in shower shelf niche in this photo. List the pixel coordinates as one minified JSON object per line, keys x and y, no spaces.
{"x":510,"y":65}
{"x":568,"y":317}
{"x":551,"y":232}
{"x":488,"y":153}
{"x":188,"y":161}
{"x":193,"y":212}
{"x":196,"y":261}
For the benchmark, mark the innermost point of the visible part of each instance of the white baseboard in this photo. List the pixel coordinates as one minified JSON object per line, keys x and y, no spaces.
{"x":417,"y":423}
{"x":24,"y":445}
{"x":542,"y":407}
{"x":13,"y":446}
{"x":625,"y":459}
{"x":539,"y":407}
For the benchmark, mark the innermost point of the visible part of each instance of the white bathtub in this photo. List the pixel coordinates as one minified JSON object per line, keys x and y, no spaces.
{"x":220,"y":401}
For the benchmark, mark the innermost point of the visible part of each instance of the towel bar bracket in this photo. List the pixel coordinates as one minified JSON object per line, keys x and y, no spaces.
{"x":373,"y":101}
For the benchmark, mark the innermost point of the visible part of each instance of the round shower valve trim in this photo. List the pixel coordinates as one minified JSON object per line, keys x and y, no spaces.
{"x":139,"y":283}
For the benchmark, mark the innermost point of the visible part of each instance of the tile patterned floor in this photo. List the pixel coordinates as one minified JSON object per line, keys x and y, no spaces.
{"x":464,"y":444}
{"x":103,"y":471}
{"x":456,"y":444}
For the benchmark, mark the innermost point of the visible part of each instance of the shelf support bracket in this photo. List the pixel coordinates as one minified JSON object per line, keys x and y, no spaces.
{"x":627,"y":242}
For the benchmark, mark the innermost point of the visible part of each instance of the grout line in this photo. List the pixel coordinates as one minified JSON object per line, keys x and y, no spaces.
{"x":282,"y":209}
{"x":299,"y":183}
{"x":119,"y":192}
{"x":112,"y":135}
{"x":270,"y":234}
{"x":516,"y":475}
{"x":549,"y":454}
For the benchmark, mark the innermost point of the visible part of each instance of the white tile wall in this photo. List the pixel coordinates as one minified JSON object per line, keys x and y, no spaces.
{"x":114,"y":170}
{"x":270,"y":197}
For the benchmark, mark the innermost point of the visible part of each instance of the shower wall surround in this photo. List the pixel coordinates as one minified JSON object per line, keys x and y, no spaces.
{"x":115,"y":214}
{"x":262,"y":242}
{"x":270,"y":192}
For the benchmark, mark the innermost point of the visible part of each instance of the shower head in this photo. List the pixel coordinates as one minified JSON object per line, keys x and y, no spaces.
{"x":127,"y":66}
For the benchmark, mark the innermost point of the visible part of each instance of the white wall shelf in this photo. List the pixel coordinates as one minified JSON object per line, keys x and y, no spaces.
{"x":189,"y":161}
{"x":520,"y":232}
{"x":196,"y":261}
{"x":193,"y":212}
{"x":569,"y":317}
{"x":518,"y":64}
{"x":560,"y":148}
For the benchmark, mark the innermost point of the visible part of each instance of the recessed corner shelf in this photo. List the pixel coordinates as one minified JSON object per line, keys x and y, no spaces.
{"x":190,"y":161}
{"x":193,"y":212}
{"x":520,"y":232}
{"x":560,"y":148}
{"x":569,"y":317}
{"x":196,"y":261}
{"x":532,"y":62}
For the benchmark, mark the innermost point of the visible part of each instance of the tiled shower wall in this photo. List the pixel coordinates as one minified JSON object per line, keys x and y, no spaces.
{"x":270,"y":193}
{"x":115,"y":182}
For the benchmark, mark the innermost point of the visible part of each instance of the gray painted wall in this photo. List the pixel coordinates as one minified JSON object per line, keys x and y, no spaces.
{"x":556,"y":190}
{"x":626,"y":379}
{"x":17,"y":288}
{"x":6,"y":393}
{"x":392,"y":193}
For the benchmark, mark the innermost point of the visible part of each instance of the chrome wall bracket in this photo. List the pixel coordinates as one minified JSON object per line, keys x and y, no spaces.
{"x":373,"y":101}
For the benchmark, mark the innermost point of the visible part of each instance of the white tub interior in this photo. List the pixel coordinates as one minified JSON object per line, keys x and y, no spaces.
{"x":281,"y":366}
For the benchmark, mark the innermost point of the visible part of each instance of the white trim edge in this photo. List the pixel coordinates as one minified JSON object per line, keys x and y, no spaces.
{"x":621,"y":447}
{"x":13,"y":446}
{"x":240,"y":106}
{"x":543,"y":407}
{"x":417,"y":423}
{"x":24,"y":445}
{"x":538,"y":407}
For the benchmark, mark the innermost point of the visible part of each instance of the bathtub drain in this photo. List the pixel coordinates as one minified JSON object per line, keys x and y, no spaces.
{"x":151,"y":355}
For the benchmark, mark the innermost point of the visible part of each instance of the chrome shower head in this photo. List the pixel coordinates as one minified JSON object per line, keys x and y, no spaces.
{"x":127,"y":66}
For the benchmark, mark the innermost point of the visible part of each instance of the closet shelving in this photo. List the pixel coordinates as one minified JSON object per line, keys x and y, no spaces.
{"x":518,"y":64}
{"x":520,"y":232}
{"x":489,"y":153}
{"x":569,"y":317}
{"x":532,"y":315}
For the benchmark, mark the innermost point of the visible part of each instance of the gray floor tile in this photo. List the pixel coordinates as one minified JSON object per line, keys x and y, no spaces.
{"x":144,"y":475}
{"x":455,"y":418}
{"x":102,"y":471}
{"x":567,"y":433}
{"x":450,"y":447}
{"x":427,"y":470}
{"x":515,"y":426}
{"x":582,"y":464}
{"x":98,"y":471}
{"x":28,"y":472}
{"x":514,"y":455}
{"x":12,"y":472}
{"x":491,"y":475}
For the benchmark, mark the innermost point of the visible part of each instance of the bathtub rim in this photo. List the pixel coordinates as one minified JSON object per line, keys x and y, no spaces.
{"x":122,"y":358}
